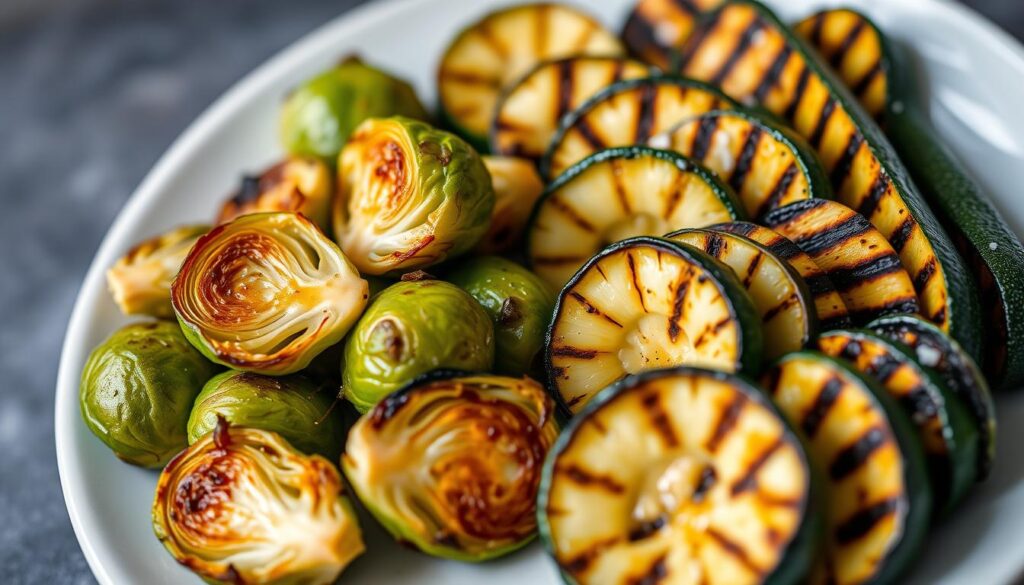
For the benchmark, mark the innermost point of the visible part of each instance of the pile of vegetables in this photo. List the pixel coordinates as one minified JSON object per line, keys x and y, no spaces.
{"x":705,"y":304}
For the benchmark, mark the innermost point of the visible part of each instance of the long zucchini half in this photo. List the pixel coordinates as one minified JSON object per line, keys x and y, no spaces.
{"x":745,"y":49}
{"x":627,"y":113}
{"x":947,"y":431}
{"x":647,"y":303}
{"x":879,"y":500}
{"x":496,"y":50}
{"x":528,"y":112}
{"x":678,"y":473}
{"x":617,"y":194}
{"x":990,"y":247}
{"x":767,"y":165}
{"x":832,"y":311}
{"x":937,"y":351}
{"x":656,"y":30}
{"x":782,"y":298}
{"x":863,"y":267}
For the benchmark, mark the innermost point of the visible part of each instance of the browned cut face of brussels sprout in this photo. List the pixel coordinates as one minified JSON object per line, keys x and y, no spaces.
{"x":302,"y":185}
{"x":517,"y":186}
{"x":452,"y":465}
{"x":241,"y":505}
{"x":266,"y":293}
{"x":140,"y":281}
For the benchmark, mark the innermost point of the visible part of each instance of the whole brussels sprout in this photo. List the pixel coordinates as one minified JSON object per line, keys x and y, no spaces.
{"x":453,"y":465}
{"x":517,"y":186}
{"x":409,"y":196}
{"x":241,"y":505}
{"x":303,"y":185}
{"x":410,"y":329}
{"x":137,"y":389}
{"x":520,"y":305}
{"x":293,"y":407}
{"x":319,"y":115}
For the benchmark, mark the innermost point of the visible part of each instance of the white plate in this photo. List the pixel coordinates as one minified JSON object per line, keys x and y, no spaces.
{"x":976,"y":75}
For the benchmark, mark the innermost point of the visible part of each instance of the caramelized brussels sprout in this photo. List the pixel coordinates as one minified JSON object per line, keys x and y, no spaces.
{"x":517,"y":186}
{"x":520,"y":305}
{"x":266,"y":293}
{"x":319,"y":115}
{"x":241,"y":505}
{"x":293,"y":407}
{"x":303,"y":185}
{"x":137,"y":390}
{"x":140,"y":281}
{"x":410,"y":196}
{"x":410,"y":329}
{"x":452,"y":464}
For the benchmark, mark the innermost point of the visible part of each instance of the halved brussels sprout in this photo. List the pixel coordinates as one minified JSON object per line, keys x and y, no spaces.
{"x":318,"y":117}
{"x":137,"y":390}
{"x":452,"y":464}
{"x":517,"y":186}
{"x":293,"y":407}
{"x":241,"y":505}
{"x":410,"y":196}
{"x":410,"y":329}
{"x":303,"y":185}
{"x":520,"y":305}
{"x":140,"y":281}
{"x":266,"y":293}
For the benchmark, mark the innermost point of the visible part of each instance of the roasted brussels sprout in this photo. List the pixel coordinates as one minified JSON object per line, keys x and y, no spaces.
{"x":304,"y":185}
{"x":410,"y":196}
{"x":517,"y":186}
{"x":293,"y":407}
{"x":520,"y":305}
{"x":452,"y":464}
{"x":241,"y":505}
{"x":266,"y":293}
{"x":137,"y":390}
{"x":410,"y":329}
{"x":140,"y":281}
{"x":318,"y":117}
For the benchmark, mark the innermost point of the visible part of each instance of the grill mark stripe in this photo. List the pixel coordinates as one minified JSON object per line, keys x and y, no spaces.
{"x":618,"y":67}
{"x":748,"y":481}
{"x":653,"y":575}
{"x":588,"y":134}
{"x":883,"y":367}
{"x":620,"y":189}
{"x":730,"y":416}
{"x":814,"y":243}
{"x":798,"y":93}
{"x":469,"y":78}
{"x":714,"y":245}
{"x":925,"y":274}
{"x":734,"y":550}
{"x":591,"y":309}
{"x":581,"y":476}
{"x":636,"y":285}
{"x":878,"y":189}
{"x":901,"y":235}
{"x":711,"y":330}
{"x":741,"y":48}
{"x":865,"y":81}
{"x":659,"y":418}
{"x":687,"y":6}
{"x":860,"y":524}
{"x":817,"y":29}
{"x":851,"y":37}
{"x":900,"y":306}
{"x":574,"y":352}
{"x":565,"y":89}
{"x":696,"y":41}
{"x":771,"y":78}
{"x":856,"y":454}
{"x":647,"y":110}
{"x":782,"y":306}
{"x":746,"y":158}
{"x":779,"y":190}
{"x":823,"y":403}
{"x":752,"y":268}
{"x":848,"y":278}
{"x":820,"y":284}
{"x":580,"y":563}
{"x":819,"y":129}
{"x":703,"y":137}
{"x":572,"y":215}
{"x":845,"y":163}
{"x":677,"y":310}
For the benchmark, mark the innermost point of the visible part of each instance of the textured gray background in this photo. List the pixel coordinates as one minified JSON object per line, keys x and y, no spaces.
{"x":91,"y":93}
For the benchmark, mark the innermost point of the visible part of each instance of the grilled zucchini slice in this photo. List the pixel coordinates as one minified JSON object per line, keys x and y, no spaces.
{"x":499,"y":48}
{"x":755,"y":59}
{"x":782,"y":299}
{"x":656,"y":30}
{"x":627,"y":113}
{"x":863,"y":267}
{"x":938,"y":351}
{"x":945,"y":427}
{"x":647,"y":303}
{"x":679,"y":476}
{"x":831,"y":310}
{"x":528,"y":113}
{"x":617,"y":194}
{"x":879,"y":499}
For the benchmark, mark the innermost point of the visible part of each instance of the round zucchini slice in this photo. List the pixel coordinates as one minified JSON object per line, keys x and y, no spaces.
{"x":862,"y":265}
{"x":767,"y":165}
{"x":879,"y":500}
{"x":627,"y":113}
{"x":493,"y":52}
{"x":617,"y":194}
{"x":941,"y":353}
{"x":781,"y":297}
{"x":947,"y":431}
{"x":528,"y":113}
{"x":696,"y":477}
{"x":832,"y":312}
{"x":647,"y":303}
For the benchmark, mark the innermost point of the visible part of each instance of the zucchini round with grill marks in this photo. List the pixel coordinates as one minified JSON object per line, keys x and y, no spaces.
{"x":648,"y":303}
{"x":677,"y":476}
{"x":879,"y":500}
{"x":499,"y":48}
{"x":617,"y":194}
{"x":627,"y":113}
{"x":863,"y":267}
{"x":781,"y":297}
{"x":947,"y":431}
{"x":937,"y":351}
{"x":656,"y":30}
